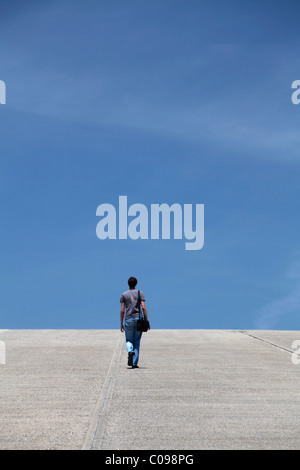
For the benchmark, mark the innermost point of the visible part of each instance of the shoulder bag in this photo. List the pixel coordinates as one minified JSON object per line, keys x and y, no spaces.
{"x":142,"y":324}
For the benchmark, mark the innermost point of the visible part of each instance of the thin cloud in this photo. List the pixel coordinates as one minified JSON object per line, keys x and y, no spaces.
{"x":283,"y":308}
{"x":218,"y":93}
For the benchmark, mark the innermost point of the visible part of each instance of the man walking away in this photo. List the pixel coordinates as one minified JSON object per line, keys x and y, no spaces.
{"x":130,"y":308}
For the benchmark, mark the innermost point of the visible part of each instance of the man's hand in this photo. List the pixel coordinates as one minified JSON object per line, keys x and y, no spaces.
{"x":121,"y":328}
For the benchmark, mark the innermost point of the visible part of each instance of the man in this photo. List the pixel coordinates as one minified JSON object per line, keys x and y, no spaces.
{"x":130,"y":308}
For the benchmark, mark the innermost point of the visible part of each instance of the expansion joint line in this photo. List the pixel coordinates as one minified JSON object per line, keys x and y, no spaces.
{"x":268,"y":342}
{"x":95,"y":433}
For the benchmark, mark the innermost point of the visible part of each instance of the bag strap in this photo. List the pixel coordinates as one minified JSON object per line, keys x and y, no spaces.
{"x":139,"y":303}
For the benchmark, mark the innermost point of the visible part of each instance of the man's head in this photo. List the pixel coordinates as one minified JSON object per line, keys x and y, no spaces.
{"x":132,"y":282}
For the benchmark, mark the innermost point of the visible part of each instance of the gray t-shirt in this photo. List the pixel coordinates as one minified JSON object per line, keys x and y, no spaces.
{"x":130,"y":299}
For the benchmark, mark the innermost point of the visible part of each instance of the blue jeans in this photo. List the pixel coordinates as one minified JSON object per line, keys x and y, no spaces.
{"x":133,"y":338}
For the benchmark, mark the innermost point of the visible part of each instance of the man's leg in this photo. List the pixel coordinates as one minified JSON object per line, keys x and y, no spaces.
{"x":129,"y":338}
{"x":136,"y":347}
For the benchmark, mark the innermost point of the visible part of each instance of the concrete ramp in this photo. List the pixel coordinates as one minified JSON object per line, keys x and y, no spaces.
{"x":194,"y":389}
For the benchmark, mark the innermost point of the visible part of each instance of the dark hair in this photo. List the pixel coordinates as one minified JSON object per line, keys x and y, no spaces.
{"x":132,"y":282}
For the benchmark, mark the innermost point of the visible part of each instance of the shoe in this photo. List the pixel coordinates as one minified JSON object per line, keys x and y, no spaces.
{"x":130,"y":356}
{"x":135,"y":367}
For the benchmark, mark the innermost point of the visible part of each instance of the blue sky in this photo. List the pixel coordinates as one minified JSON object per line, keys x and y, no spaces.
{"x":165,"y":102}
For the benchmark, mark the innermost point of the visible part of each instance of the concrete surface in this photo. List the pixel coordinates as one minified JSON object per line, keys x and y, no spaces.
{"x":195,"y":389}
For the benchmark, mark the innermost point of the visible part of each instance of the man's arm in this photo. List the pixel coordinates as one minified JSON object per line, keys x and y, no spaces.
{"x":145,"y":311}
{"x":122,"y":316}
